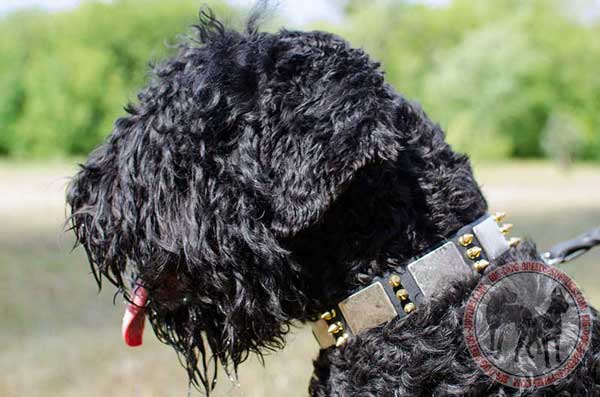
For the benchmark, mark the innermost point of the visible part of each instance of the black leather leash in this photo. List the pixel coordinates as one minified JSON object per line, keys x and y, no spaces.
{"x":571,"y":249}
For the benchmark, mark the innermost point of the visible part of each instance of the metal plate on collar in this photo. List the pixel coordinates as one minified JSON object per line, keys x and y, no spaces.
{"x":324,"y":338}
{"x":367,"y":308}
{"x":491,"y":238}
{"x":439,"y":268}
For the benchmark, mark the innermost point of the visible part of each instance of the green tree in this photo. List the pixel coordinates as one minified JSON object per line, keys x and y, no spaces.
{"x":66,"y":76}
{"x":492,"y":73}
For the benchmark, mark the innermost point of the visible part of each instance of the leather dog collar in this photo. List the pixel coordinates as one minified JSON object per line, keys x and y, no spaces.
{"x":398,"y":293}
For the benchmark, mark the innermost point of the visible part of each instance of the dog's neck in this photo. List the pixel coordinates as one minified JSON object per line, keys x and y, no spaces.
{"x":390,"y":213}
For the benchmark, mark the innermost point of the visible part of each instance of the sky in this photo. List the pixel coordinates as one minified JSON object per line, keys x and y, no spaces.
{"x":297,"y":11}
{"x":9,"y":5}
{"x":302,"y":11}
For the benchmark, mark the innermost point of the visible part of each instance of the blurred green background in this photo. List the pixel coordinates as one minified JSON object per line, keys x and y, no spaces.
{"x":515,"y":85}
{"x":506,"y":79}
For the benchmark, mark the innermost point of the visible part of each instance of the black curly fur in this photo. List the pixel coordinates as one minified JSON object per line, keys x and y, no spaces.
{"x":426,"y":355}
{"x":263,"y":176}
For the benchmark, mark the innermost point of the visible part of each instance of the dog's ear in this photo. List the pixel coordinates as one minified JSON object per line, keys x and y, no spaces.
{"x":329,"y":114}
{"x":309,"y":175}
{"x":557,"y":292}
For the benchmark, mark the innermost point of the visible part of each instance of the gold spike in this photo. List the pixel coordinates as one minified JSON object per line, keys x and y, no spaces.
{"x":335,"y":327}
{"x":395,"y":281}
{"x":514,"y":241}
{"x":506,"y":228}
{"x":466,"y":239}
{"x":402,"y":294}
{"x":409,"y":307}
{"x":341,"y":340}
{"x":499,"y":216}
{"x":474,"y":253}
{"x":328,"y":315}
{"x":480,"y":265}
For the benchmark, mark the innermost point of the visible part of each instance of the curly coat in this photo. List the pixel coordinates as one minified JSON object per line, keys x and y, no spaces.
{"x":262,"y":177}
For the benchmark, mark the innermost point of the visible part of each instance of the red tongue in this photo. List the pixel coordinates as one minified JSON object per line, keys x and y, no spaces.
{"x":134,"y":317}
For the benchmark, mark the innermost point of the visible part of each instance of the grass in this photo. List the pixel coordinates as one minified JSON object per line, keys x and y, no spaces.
{"x":61,"y":338}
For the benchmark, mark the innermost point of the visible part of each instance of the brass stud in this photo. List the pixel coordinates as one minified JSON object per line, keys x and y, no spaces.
{"x":395,"y":281}
{"x":402,"y":294}
{"x":328,"y":315}
{"x":466,"y":239}
{"x":514,"y":241}
{"x":480,"y":265}
{"x":335,"y":327}
{"x":341,"y":340}
{"x":506,"y":228}
{"x":499,"y":216}
{"x":409,"y":307}
{"x":474,"y":252}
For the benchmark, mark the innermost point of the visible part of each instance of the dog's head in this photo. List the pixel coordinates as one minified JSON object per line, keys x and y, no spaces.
{"x":558,"y":301}
{"x":259,"y":177}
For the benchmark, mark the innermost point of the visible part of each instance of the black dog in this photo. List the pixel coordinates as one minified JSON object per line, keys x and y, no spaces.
{"x":502,"y":310}
{"x":263,"y":177}
{"x":544,"y":327}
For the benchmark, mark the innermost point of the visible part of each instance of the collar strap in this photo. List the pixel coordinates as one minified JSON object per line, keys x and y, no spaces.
{"x":398,"y":293}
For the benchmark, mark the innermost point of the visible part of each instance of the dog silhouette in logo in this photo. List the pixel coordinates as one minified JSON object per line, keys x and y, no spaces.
{"x":502,"y":310}
{"x":544,"y":327}
{"x":534,"y":328}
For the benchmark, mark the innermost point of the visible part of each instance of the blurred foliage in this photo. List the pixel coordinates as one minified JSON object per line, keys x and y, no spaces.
{"x":562,"y":138}
{"x":505,"y":78}
{"x":65,"y":76}
{"x":491,"y":72}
